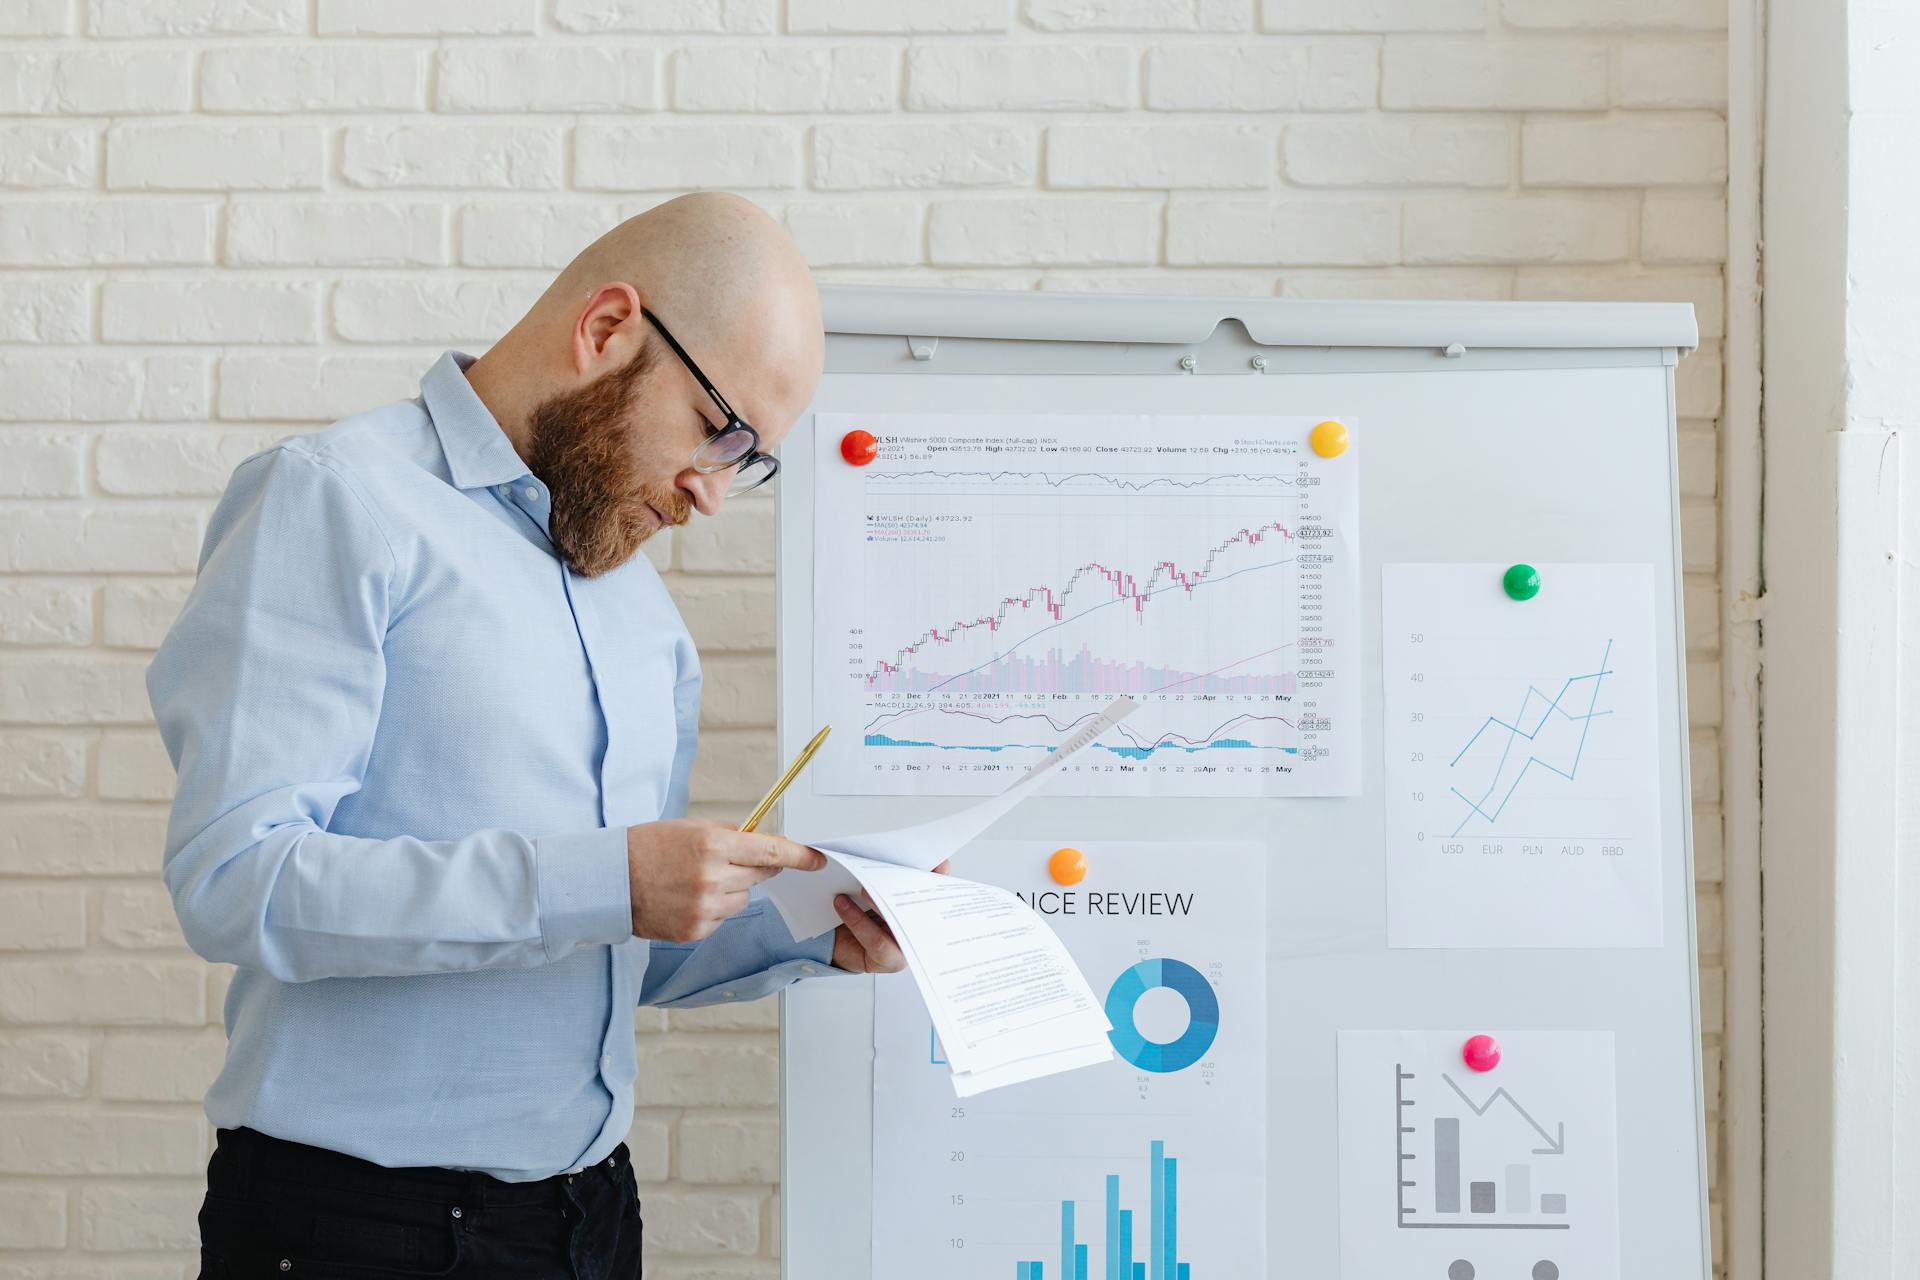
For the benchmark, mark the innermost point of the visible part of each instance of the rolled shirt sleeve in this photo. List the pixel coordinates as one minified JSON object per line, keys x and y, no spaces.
{"x":267,"y":692}
{"x":749,"y":956}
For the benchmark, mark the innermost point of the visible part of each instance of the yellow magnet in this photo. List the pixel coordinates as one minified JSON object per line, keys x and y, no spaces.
{"x":1330,"y":439}
{"x":1067,"y":866}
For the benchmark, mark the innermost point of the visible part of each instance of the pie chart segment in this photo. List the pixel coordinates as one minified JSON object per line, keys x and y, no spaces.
{"x":1203,"y":1013}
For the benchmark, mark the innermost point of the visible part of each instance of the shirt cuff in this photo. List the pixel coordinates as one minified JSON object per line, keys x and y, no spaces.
{"x":585,"y":895}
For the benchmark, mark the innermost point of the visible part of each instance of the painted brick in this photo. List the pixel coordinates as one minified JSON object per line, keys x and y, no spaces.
{"x":1373,"y":15}
{"x":1160,"y":156}
{"x":997,"y":77}
{"x":1286,"y":75}
{"x":91,"y":233}
{"x":895,"y":17}
{"x":1397,"y":153}
{"x":1489,"y":229}
{"x":199,"y":157}
{"x":355,"y":233}
{"x":1470,"y":75}
{"x":1262,"y":232}
{"x":48,"y":155}
{"x":766,"y":80}
{"x":312,"y":78}
{"x":679,"y":157}
{"x":850,"y":157}
{"x":573,"y":78}
{"x":1623,"y":152}
{"x":496,"y":156}
{"x":36,"y":765}
{"x":425,"y":17}
{"x":716,"y":17}
{"x":1051,"y":232}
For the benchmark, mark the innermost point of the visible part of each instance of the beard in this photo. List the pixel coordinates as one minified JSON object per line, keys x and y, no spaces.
{"x":580,"y":444}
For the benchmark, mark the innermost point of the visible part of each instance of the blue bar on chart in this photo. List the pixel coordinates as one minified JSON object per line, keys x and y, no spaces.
{"x":1184,"y":1273}
{"x":1157,"y":1229}
{"x":1171,"y":1268}
{"x":1125,"y":1270}
{"x":1079,"y":1262}
{"x":1113,"y":1228}
{"x":1066,"y":1240}
{"x":1139,"y":1271}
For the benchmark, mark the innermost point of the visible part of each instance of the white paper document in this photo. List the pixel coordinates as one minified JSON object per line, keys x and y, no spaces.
{"x":805,"y":898}
{"x":1505,"y":1172}
{"x":996,"y":578}
{"x":1156,"y":1158}
{"x":1005,"y":996}
{"x":1523,"y":750}
{"x":1001,"y":988}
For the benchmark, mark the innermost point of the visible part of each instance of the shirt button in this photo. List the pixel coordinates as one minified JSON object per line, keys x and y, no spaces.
{"x":727,"y":995}
{"x":504,"y":490}
{"x":529,"y":493}
{"x":806,"y":968}
{"x":606,"y":1059}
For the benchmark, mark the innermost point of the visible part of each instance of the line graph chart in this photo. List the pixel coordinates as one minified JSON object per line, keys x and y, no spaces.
{"x":1524,"y":746}
{"x":1522,"y":789}
{"x":998,"y":581}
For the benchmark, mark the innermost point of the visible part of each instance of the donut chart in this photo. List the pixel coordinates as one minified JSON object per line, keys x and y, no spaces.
{"x":1203,"y":1009}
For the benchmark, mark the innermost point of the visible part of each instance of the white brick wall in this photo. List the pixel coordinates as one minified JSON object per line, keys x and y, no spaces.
{"x":225,"y":220}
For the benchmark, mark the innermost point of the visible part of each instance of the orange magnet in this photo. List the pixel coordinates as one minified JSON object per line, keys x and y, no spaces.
{"x":1329,"y":439}
{"x":859,"y":447}
{"x":1067,"y":866}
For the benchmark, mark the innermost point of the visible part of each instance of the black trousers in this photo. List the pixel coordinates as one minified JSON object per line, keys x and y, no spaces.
{"x":279,"y":1210}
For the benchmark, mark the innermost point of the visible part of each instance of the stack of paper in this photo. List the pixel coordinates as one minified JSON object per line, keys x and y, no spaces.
{"x":1007,"y":1000}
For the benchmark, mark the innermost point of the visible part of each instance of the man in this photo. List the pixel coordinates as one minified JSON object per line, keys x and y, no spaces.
{"x":433,"y":722}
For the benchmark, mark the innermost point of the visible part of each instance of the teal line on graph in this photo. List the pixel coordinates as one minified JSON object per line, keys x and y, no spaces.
{"x":1162,"y":1237}
{"x":1128,"y":753}
{"x":1515,"y":732}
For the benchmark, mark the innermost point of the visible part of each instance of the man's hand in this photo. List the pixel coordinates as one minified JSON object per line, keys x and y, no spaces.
{"x":687,"y":876}
{"x":864,"y":944}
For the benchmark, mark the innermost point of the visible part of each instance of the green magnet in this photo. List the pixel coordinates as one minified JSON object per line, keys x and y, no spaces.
{"x":1522,"y":582}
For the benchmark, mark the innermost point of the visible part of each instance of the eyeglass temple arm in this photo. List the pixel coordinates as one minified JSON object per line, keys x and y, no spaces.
{"x":693,"y":368}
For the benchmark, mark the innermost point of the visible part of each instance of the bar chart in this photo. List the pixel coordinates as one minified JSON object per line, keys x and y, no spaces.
{"x":1510,"y":1170}
{"x":1484,"y":1202}
{"x":1161,"y":1244}
{"x":1151,"y":1166}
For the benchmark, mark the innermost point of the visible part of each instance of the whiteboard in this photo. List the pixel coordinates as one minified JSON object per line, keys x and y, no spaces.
{"x":1493,"y":432}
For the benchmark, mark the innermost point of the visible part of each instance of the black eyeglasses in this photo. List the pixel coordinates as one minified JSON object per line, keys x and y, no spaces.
{"x":735,"y":445}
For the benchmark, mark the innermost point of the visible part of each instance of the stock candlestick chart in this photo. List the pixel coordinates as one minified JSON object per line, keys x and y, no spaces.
{"x":984,"y":589}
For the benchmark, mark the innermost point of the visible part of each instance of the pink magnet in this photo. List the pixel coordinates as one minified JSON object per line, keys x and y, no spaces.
{"x":1482,"y":1053}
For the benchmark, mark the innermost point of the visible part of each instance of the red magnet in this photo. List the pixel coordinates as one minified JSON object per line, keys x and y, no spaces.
{"x":1482,"y":1053}
{"x":859,"y":447}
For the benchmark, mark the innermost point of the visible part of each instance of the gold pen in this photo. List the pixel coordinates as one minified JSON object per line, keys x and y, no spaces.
{"x":786,"y":779}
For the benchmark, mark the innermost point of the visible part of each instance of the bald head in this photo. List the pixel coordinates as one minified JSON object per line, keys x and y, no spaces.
{"x":724,"y":279}
{"x":730,"y":286}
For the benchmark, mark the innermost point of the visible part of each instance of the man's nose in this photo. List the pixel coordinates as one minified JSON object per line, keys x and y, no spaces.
{"x":708,"y":489}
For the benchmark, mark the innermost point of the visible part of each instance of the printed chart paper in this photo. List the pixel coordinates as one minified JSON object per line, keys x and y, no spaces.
{"x":1503,"y":1173}
{"x":1522,"y":754}
{"x":987,"y":584}
{"x":1157,"y":1157}
{"x":805,"y":898}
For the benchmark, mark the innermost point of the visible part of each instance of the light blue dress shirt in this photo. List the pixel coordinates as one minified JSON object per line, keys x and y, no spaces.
{"x":409,"y":740}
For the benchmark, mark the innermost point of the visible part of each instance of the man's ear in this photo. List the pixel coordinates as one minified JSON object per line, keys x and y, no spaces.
{"x":609,"y":329}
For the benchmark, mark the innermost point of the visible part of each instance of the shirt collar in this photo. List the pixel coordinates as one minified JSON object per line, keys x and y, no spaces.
{"x":478,"y":451}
